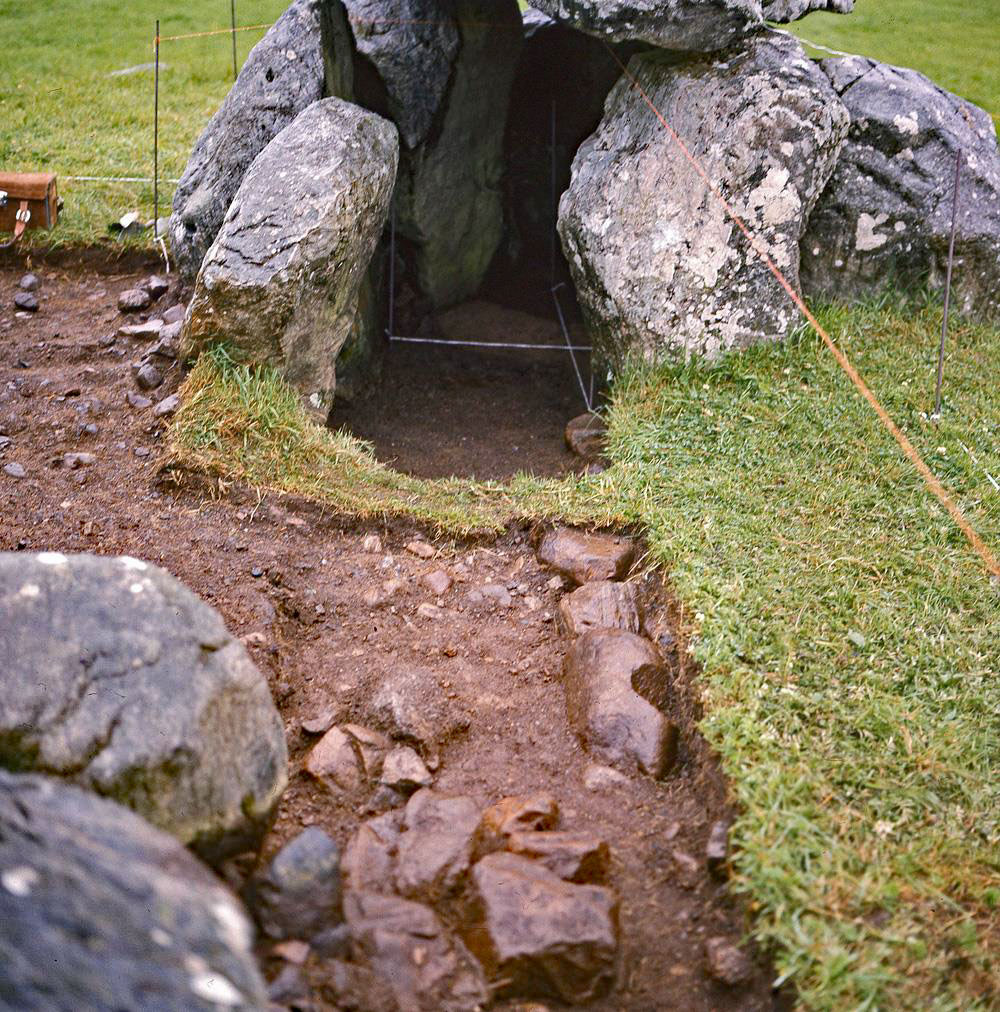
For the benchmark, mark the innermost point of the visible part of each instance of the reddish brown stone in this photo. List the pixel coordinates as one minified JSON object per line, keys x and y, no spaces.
{"x":540,"y":937}
{"x":727,"y":962}
{"x":613,"y":721}
{"x":600,"y":605}
{"x":537,"y":811}
{"x":435,"y":849}
{"x":585,"y":435}
{"x":573,"y":856}
{"x":408,"y":949}
{"x":369,"y":861}
{"x":584,"y":558}
{"x":334,"y":761}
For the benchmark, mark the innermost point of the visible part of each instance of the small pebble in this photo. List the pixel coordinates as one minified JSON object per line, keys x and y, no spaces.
{"x":421,"y":549}
{"x":175,"y":314}
{"x":167,"y":406}
{"x":134,"y":300}
{"x":29,"y":283}
{"x":26,"y":302}
{"x":148,"y":376}
{"x":372,"y":543}
{"x":137,"y":400}
{"x":141,"y":451}
{"x":75,"y":460}
{"x":14,"y":470}
{"x":256,"y":572}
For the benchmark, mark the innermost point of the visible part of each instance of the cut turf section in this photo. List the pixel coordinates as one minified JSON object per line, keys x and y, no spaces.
{"x":847,"y":634}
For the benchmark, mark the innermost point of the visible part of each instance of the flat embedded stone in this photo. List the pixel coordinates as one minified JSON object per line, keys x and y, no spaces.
{"x":584,"y":557}
{"x":572,"y":855}
{"x":600,"y":605}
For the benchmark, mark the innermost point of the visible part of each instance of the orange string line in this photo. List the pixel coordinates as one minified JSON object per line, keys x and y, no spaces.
{"x":933,"y":483}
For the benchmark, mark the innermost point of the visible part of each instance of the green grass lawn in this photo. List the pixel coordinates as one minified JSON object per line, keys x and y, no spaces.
{"x":60,"y":111}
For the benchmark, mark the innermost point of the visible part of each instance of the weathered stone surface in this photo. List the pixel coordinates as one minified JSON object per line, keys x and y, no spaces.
{"x":405,"y":771}
{"x":280,"y":284}
{"x":444,"y":73}
{"x":117,"y":677}
{"x":435,"y":849}
{"x":659,"y":266}
{"x":717,"y":848}
{"x":600,"y":605}
{"x":370,"y":857}
{"x":99,"y":910}
{"x":134,"y":300}
{"x":283,"y":75}
{"x":585,"y":435}
{"x":885,"y":217}
{"x":298,"y":895}
{"x":602,"y":671}
{"x":541,"y":937}
{"x":696,"y":25}
{"x":584,"y":558}
{"x":573,"y":856}
{"x":784,"y":11}
{"x":727,"y":962}
{"x":348,"y":758}
{"x":407,"y":947}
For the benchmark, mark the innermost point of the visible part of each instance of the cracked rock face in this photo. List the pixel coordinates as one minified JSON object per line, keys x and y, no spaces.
{"x":885,"y":217}
{"x":281,"y":283}
{"x":693,"y":25}
{"x":99,"y":910}
{"x":443,"y":75}
{"x":784,"y":11}
{"x":118,"y":678}
{"x":305,"y":55}
{"x":659,"y":266}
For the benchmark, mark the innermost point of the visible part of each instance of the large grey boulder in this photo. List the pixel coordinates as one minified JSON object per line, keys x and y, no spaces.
{"x":885,"y":218}
{"x":100,"y":911}
{"x":304,"y":56}
{"x":784,"y":11}
{"x":280,"y":284}
{"x":118,"y":678}
{"x":444,"y":73}
{"x":695,"y":25}
{"x":658,"y":264}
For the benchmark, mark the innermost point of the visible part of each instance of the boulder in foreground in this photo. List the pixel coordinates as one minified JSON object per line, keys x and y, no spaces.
{"x":280,"y":285}
{"x":99,"y":910}
{"x":118,"y":678}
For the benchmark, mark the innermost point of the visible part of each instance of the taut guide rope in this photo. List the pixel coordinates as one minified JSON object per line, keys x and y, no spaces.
{"x":911,"y":452}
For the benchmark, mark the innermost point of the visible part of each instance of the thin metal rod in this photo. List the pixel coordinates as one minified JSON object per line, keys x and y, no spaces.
{"x":488,"y":344}
{"x":555,"y":199}
{"x":947,"y":285}
{"x":156,"y":132}
{"x":232,"y":14}
{"x":569,"y":345}
{"x":392,"y":270}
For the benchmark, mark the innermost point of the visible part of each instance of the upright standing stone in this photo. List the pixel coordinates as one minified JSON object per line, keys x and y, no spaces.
{"x":659,"y":265}
{"x":280,"y":284}
{"x":885,"y":218}
{"x":304,"y":56}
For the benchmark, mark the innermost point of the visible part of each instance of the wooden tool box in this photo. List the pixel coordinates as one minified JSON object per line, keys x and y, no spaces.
{"x":28,"y":200}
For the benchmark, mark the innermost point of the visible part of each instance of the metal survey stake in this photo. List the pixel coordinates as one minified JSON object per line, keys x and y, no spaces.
{"x":947,"y":287}
{"x":232,"y":18}
{"x":156,"y":132}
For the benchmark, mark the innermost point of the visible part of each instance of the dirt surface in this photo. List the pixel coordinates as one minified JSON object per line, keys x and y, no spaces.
{"x":440,"y":411}
{"x":291,"y":578}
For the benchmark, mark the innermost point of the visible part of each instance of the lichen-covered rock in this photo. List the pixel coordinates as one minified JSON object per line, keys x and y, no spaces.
{"x":444,"y":74}
{"x":280,"y":284}
{"x":659,"y":266}
{"x":118,"y":678}
{"x":784,"y":11}
{"x":99,"y":910}
{"x":304,"y":56}
{"x":695,"y":25}
{"x":885,"y":217}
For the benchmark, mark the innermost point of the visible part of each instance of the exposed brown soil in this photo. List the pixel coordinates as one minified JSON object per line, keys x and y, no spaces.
{"x":440,"y":411}
{"x":320,"y":647}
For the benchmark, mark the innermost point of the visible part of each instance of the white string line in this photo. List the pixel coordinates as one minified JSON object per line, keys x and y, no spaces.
{"x":116,"y":179}
{"x":488,"y":344}
{"x":806,"y":42}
